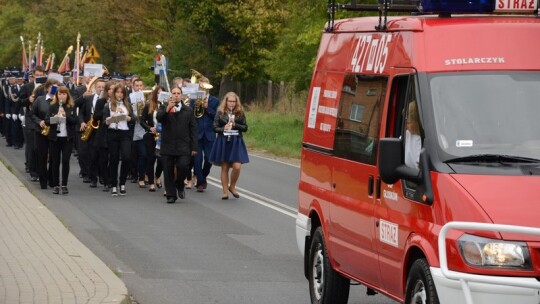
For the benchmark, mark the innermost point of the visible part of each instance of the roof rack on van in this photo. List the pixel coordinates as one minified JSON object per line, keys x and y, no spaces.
{"x":442,"y":8}
{"x":383,"y":7}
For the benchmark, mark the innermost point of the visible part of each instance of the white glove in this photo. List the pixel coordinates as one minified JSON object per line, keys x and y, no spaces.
{"x":14,"y":117}
{"x":8,"y":116}
{"x":21,"y":117}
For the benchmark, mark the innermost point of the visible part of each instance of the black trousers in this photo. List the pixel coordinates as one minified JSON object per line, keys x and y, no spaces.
{"x":30,"y":151}
{"x":88,"y":157}
{"x":151,"y":158}
{"x":60,"y":154}
{"x":103,"y":161}
{"x":7,"y":131}
{"x":42,"y":151}
{"x":119,"y":142}
{"x":83,"y":154}
{"x":181,"y":164}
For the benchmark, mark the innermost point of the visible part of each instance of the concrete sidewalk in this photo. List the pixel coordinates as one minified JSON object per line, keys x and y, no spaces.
{"x":41,"y":261}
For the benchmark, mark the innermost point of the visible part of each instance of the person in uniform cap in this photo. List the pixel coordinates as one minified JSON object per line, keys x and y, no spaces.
{"x":17,"y":112}
{"x":129,"y":83}
{"x":68,"y":82}
{"x":9,"y":105}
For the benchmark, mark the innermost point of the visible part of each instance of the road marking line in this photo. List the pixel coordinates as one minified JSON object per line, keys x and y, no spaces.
{"x":259,"y":199}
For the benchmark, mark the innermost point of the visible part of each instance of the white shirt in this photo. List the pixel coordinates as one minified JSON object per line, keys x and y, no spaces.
{"x":413,"y":145}
{"x":123,"y":125}
{"x":94,"y":103}
{"x":61,"y":126}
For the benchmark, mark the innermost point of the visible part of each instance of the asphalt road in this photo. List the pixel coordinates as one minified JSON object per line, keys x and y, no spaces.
{"x":199,"y":250}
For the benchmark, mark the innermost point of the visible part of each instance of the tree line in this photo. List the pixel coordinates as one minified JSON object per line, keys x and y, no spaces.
{"x":241,"y":40}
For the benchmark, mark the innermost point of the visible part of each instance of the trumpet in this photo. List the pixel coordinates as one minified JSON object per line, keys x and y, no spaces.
{"x":90,"y":126}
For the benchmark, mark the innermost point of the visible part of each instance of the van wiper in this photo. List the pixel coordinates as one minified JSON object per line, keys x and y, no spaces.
{"x":493,"y":158}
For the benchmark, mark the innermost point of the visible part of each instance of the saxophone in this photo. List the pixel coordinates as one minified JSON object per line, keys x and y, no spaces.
{"x":90,"y":126}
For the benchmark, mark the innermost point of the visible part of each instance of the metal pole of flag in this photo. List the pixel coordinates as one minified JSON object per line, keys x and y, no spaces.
{"x":77,"y":59}
{"x":162,"y":58}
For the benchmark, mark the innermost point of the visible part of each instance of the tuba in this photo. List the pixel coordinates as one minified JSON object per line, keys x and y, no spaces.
{"x":197,"y":77}
{"x":91,"y":125}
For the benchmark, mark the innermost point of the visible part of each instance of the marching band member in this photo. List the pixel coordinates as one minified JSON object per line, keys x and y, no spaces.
{"x":149,"y":123}
{"x":16,"y":111}
{"x":8,"y":107}
{"x":205,"y":134}
{"x":100,"y":142}
{"x":178,"y":143}
{"x":138,"y":148}
{"x":61,"y":136}
{"x":40,"y":109}
{"x":27,"y":98}
{"x":229,"y":150}
{"x":118,"y":117}
{"x":88,"y":156}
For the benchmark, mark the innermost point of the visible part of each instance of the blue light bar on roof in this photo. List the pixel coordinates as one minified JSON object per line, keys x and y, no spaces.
{"x":458,"y":6}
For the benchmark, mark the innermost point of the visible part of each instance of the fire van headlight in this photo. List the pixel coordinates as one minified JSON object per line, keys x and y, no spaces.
{"x":484,"y":252}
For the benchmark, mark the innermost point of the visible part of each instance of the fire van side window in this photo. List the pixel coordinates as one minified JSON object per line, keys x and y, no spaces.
{"x":359,"y":117}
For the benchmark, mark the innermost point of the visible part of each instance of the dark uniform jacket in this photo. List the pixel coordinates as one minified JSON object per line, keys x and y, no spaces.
{"x":179,"y":131}
{"x":222,"y":119}
{"x":205,"y":123}
{"x":71,"y":121}
{"x":40,"y":109}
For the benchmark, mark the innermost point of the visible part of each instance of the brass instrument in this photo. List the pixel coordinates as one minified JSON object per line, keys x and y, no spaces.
{"x":90,"y":126}
{"x":199,"y":107}
{"x":90,"y":85}
{"x":35,"y":90}
{"x":45,"y":130}
{"x":186,"y":101}
{"x":197,"y":77}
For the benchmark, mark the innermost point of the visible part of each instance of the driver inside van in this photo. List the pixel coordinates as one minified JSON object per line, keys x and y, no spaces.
{"x":413,"y":141}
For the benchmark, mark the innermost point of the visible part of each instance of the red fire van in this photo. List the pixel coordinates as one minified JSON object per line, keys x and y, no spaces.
{"x":420,"y":169}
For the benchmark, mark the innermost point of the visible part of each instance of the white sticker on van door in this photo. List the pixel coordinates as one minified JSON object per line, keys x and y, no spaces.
{"x":388,"y":233}
{"x":464,"y":143}
{"x":314,"y":105}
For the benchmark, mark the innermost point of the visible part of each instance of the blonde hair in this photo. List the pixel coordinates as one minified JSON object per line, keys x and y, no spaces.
{"x":413,"y":118}
{"x":238,"y":109}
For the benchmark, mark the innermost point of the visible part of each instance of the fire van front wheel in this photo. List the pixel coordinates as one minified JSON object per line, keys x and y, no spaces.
{"x":326,"y":286}
{"x":420,"y":285}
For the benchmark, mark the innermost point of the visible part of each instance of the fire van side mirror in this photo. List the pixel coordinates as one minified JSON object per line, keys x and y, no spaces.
{"x":391,"y":166}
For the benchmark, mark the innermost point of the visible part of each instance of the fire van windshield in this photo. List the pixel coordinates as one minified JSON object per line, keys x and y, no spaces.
{"x":486,"y":113}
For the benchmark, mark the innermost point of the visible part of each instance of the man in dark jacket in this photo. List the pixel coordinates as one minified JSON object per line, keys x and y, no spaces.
{"x":178,"y":143}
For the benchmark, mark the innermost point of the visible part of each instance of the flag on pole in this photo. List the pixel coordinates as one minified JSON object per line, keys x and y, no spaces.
{"x":64,"y":65}
{"x":49,"y":62}
{"x":24,"y":63}
{"x":39,"y":51}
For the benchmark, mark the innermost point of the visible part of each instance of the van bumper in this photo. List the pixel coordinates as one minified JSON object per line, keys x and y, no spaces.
{"x":303,"y":228}
{"x":450,"y":290}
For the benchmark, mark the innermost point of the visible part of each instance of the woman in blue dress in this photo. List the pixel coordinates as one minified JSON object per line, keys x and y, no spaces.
{"x":229,"y":150}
